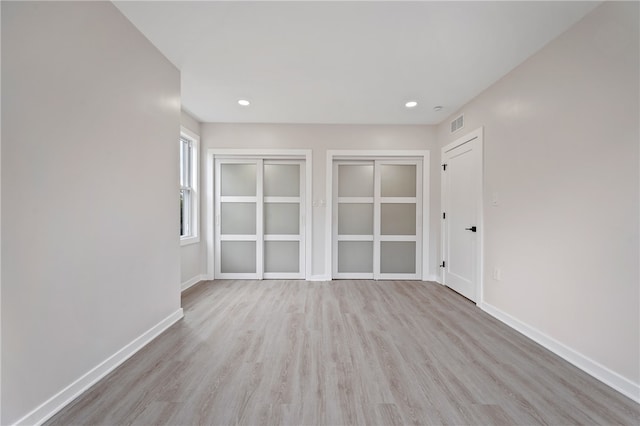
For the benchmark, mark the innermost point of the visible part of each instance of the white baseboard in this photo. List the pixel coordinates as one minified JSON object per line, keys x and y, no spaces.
{"x":434,"y":278}
{"x":57,"y":402}
{"x":319,"y":278}
{"x":193,"y":281}
{"x":586,"y":364}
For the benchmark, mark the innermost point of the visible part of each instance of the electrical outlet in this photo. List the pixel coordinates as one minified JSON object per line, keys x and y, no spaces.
{"x":497,"y":274}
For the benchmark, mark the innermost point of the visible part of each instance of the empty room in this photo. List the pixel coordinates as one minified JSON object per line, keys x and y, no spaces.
{"x":320,"y":212}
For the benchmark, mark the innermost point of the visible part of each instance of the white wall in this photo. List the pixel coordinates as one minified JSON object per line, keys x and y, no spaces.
{"x":187,"y":120}
{"x":321,"y":138}
{"x":191,"y":265}
{"x":90,"y":252}
{"x":0,"y":222}
{"x":561,"y":153}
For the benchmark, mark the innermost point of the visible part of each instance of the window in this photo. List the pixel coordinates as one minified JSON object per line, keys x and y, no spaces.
{"x":188,"y":187}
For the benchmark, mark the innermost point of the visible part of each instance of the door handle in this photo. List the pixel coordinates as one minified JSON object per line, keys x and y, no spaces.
{"x":472,"y":229}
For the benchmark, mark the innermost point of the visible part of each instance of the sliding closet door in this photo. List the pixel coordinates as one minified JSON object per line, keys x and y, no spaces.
{"x":377,"y":219}
{"x":239,"y":219}
{"x":259,"y":217}
{"x":283,"y":219}
{"x":398,"y":201}
{"x":353,"y":219}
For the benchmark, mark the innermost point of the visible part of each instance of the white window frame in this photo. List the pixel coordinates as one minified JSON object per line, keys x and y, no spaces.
{"x":194,"y":205}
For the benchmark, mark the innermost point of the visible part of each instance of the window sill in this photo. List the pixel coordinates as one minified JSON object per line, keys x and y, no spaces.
{"x":185,"y":241}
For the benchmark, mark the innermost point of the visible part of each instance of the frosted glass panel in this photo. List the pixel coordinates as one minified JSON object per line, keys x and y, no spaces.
{"x":355,"y":180}
{"x":397,"y":180}
{"x":238,"y":179}
{"x":355,"y":256}
{"x":397,"y":257}
{"x":238,"y":218}
{"x":281,"y":180}
{"x":238,"y":257}
{"x":355,"y":219}
{"x":282,"y":218}
{"x":281,"y":256}
{"x":397,"y":219}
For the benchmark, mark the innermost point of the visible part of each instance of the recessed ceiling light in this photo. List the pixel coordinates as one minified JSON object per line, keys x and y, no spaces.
{"x":411,"y":104}
{"x":437,"y":108}
{"x":244,"y":102}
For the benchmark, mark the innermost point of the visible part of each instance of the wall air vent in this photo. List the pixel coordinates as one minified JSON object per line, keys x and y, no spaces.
{"x":457,"y":124}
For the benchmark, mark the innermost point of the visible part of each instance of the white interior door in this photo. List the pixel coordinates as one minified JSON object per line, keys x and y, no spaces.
{"x":461,"y":205}
{"x":398,"y":219}
{"x":377,"y":219}
{"x":353,"y":219}
{"x":284,"y":246}
{"x":238,"y":216}
{"x":259,"y":219}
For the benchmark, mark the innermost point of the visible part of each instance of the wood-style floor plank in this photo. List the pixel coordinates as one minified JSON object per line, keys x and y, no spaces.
{"x":339,"y":353}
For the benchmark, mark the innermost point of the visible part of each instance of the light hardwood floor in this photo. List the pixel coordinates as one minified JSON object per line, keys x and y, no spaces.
{"x":343,"y":352}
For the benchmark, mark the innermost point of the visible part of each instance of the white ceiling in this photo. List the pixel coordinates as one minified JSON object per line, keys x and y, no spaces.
{"x":344,"y":62}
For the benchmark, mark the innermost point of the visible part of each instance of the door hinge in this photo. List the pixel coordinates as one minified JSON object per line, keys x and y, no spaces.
{"x":442,"y":264}
{"x":444,"y":167}
{"x":444,"y":215}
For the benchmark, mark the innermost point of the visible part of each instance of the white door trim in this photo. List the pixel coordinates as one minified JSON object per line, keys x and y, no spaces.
{"x":373,"y":155}
{"x":477,"y":134}
{"x":264,"y":154}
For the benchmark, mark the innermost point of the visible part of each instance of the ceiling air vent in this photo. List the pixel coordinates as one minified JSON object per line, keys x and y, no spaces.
{"x":457,"y":124}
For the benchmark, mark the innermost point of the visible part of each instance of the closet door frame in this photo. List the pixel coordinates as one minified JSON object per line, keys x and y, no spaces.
{"x":212,"y":252}
{"x":422,"y":268}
